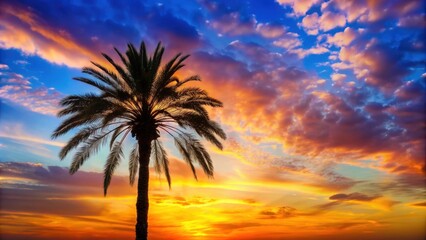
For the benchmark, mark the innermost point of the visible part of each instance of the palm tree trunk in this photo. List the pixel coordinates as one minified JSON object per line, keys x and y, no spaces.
{"x":142,"y":202}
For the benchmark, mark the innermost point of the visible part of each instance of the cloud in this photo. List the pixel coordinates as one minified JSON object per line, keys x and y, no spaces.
{"x":288,"y":170}
{"x":162,"y":199}
{"x":256,"y":55}
{"x":311,"y":23}
{"x":356,"y":198}
{"x":338,"y":77}
{"x":344,"y":38}
{"x":19,"y":90}
{"x":228,"y":19}
{"x":23,"y":29}
{"x":421,"y":204}
{"x":58,"y":199}
{"x":410,"y":90}
{"x":234,"y":76}
{"x":21,"y":62}
{"x":269,"y":30}
{"x":408,"y":184}
{"x":341,"y":66}
{"x":63,"y":42}
{"x":414,"y":21}
{"x":341,"y":226}
{"x":353,"y":197}
{"x":288,"y":41}
{"x":372,"y":11}
{"x":340,"y":125}
{"x":11,"y":78}
{"x":232,"y":24}
{"x":281,"y":212}
{"x":329,"y":21}
{"x":178,"y":37}
{"x":292,"y":43}
{"x":15,"y":132}
{"x":314,"y":129}
{"x":55,"y":180}
{"x":299,"y":7}
{"x":61,"y":202}
{"x":371,"y":64}
{"x":14,"y":199}
{"x":315,"y":50}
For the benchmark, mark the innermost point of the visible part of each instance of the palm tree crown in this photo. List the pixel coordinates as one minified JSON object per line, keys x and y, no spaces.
{"x":142,"y":99}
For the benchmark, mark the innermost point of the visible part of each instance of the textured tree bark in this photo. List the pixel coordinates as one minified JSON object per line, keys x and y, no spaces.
{"x":142,"y":202}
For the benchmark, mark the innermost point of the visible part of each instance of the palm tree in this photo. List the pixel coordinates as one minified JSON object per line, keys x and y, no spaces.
{"x":142,"y":99}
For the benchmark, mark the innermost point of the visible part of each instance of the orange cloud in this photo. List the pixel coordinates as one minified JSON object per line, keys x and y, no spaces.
{"x":24,"y":30}
{"x":300,"y":7}
{"x":311,"y":23}
{"x":372,"y":10}
{"x":315,"y":124}
{"x":268,"y":30}
{"x":329,"y":20}
{"x":343,"y":38}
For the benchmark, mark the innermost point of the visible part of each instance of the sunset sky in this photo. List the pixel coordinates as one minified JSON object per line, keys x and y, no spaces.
{"x":324,"y":108}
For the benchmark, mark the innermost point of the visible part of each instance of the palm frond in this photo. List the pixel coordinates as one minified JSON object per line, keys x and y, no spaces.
{"x":112,"y":162}
{"x":161,"y":161}
{"x":74,"y":121}
{"x":164,"y":77}
{"x":123,"y":74}
{"x":198,"y":152}
{"x":117,"y":133}
{"x":80,"y":137}
{"x":202,"y":125}
{"x":189,"y":79}
{"x":155,"y":64}
{"x":133,"y":164}
{"x":111,"y":78}
{"x":95,"y":84}
{"x":107,"y":77}
{"x":181,"y":145}
{"x":90,"y":146}
{"x":75,"y":103}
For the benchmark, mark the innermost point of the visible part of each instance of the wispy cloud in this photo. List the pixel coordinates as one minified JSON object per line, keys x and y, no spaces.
{"x":19,"y":90}
{"x":16,"y":132}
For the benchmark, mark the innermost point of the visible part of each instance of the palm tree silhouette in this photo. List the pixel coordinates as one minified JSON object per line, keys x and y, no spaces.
{"x":143,"y":99}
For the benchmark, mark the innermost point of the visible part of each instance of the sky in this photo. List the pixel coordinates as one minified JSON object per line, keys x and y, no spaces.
{"x":323,"y":107}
